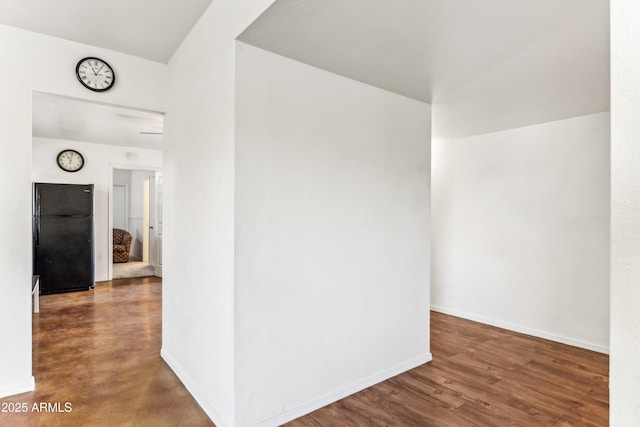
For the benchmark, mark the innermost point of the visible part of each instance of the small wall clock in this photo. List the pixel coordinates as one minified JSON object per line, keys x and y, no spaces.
{"x":70,"y":160}
{"x":95,"y":74}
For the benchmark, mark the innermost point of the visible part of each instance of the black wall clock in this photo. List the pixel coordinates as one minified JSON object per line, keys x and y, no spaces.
{"x":95,"y":74}
{"x":70,"y":160}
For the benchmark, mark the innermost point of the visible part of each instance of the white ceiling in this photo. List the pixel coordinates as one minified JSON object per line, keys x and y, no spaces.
{"x":424,"y":49}
{"x":563,"y":74}
{"x":522,"y":61}
{"x":72,"y":119}
{"x":151,"y":29}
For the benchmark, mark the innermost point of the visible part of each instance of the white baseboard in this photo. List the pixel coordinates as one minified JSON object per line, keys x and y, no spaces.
{"x":536,"y":333}
{"x":188,"y":383}
{"x":343,"y":392}
{"x":23,"y":387}
{"x":305,"y":408}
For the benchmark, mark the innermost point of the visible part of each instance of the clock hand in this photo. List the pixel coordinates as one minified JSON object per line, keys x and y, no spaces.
{"x":100,"y":68}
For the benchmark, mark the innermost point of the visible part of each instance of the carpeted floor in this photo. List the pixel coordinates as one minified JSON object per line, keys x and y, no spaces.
{"x":127,"y":270}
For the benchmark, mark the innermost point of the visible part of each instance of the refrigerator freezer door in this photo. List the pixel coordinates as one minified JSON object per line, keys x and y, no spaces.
{"x":63,"y":199}
{"x":64,"y":253}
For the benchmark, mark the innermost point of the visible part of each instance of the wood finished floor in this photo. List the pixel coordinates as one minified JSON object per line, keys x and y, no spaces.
{"x":482,"y":376}
{"x":100,"y":351}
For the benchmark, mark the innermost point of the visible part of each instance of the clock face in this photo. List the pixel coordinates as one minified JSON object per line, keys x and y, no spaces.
{"x":95,"y":74}
{"x":70,"y":160}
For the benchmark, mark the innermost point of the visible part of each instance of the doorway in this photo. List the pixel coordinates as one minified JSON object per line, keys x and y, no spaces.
{"x":107,"y":136}
{"x":137,"y":223}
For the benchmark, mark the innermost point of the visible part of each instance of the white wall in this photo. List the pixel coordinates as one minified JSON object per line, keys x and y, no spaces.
{"x":141,"y":83}
{"x":625,"y":214}
{"x":122,"y":176}
{"x":120,"y":205}
{"x":99,"y":161}
{"x":198,"y":274}
{"x":332,"y":244}
{"x":521,"y":229}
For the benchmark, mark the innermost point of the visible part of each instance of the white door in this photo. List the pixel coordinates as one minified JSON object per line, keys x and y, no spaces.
{"x":146,"y":222}
{"x":155,"y":223}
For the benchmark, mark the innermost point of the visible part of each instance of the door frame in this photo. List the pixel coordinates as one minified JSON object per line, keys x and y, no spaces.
{"x":112,"y":168}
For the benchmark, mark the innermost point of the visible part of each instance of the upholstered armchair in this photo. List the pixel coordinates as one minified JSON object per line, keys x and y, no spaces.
{"x":121,"y":245}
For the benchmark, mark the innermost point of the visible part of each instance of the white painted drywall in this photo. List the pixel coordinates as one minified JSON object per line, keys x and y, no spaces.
{"x":521,"y":229}
{"x":198,"y":273}
{"x":625,"y":214}
{"x":99,"y":161}
{"x":120,"y":205}
{"x":332,"y":241}
{"x":33,"y":62}
{"x":122,"y":177}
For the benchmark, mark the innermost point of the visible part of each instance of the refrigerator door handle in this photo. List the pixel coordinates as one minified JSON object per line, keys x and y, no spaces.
{"x":38,"y":203}
{"x":38,"y":231}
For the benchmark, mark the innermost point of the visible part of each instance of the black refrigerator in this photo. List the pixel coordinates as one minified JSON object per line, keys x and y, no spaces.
{"x":63,"y":237}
